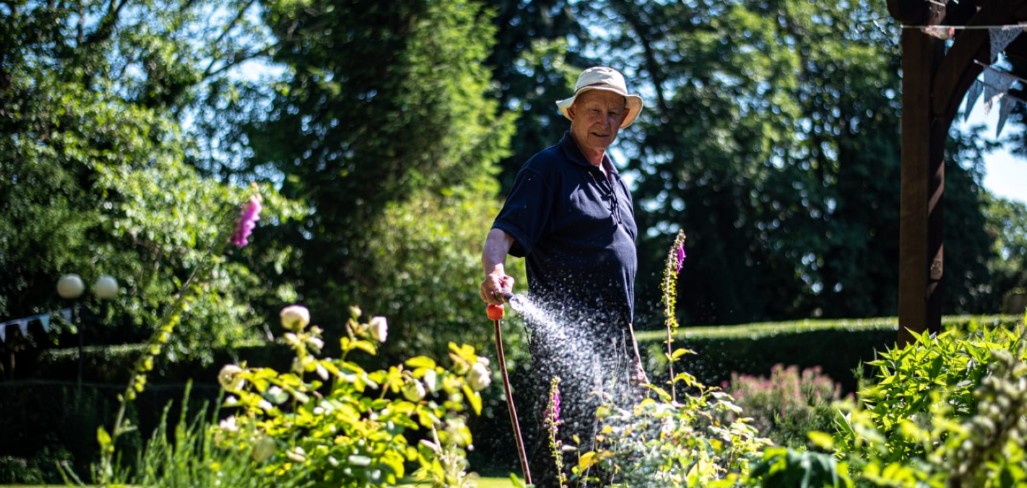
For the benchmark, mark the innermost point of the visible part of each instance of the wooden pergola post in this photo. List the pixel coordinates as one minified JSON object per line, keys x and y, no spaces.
{"x":934,"y":83}
{"x":921,"y":260}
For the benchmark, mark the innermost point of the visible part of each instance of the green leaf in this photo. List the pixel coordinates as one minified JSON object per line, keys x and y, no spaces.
{"x":420,"y":362}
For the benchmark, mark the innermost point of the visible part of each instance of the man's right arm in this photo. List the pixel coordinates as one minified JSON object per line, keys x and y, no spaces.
{"x":493,"y":260}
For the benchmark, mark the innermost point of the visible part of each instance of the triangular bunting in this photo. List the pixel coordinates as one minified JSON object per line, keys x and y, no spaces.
{"x":1000,"y":38}
{"x":971,"y":97}
{"x":3,"y":332}
{"x":23,"y":324}
{"x":996,"y":84}
{"x":45,"y":320}
{"x":66,"y":314}
{"x":1004,"y":110}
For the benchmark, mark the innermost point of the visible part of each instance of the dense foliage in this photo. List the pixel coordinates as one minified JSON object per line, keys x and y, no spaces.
{"x":383,"y":109}
{"x":93,"y":174}
{"x":381,"y":133}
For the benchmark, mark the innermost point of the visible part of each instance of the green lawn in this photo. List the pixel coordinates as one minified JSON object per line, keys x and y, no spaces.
{"x":482,"y":483}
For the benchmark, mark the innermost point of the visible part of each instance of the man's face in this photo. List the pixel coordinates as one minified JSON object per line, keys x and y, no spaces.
{"x":596,"y":117}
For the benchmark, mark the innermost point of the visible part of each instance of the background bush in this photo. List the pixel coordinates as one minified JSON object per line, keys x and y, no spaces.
{"x":787,"y":404}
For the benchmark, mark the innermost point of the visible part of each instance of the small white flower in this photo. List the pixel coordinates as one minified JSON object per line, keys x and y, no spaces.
{"x":413,"y":391}
{"x":379,"y":328}
{"x":478,"y":377}
{"x":297,"y":454}
{"x":265,"y":405}
{"x":229,"y":425}
{"x":295,"y":317}
{"x":431,"y":380}
{"x":357,"y":460}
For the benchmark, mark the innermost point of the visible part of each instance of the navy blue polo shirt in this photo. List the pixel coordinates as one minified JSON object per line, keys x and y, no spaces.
{"x":576,"y":231}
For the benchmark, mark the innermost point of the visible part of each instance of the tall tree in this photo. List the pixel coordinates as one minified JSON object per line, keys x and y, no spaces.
{"x":534,"y":64}
{"x":92,"y":172}
{"x":771,"y":139}
{"x":384,"y":102}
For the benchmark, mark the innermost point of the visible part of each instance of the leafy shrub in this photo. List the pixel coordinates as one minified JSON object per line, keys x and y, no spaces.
{"x":661,"y":442}
{"x":697,"y":440}
{"x":785,"y":406}
{"x":945,"y":411}
{"x":332,"y":423}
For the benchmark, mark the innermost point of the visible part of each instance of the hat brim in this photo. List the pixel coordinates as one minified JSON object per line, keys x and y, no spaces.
{"x":634,"y":103}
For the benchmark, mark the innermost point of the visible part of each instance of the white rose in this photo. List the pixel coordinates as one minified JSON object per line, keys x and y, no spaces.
{"x":295,"y":317}
{"x":229,"y":379}
{"x":479,"y":377}
{"x":379,"y":328}
{"x":413,"y":391}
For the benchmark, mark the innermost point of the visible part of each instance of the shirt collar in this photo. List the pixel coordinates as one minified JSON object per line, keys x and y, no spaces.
{"x":575,"y":156}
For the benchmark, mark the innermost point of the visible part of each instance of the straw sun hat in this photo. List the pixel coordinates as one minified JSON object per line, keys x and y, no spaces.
{"x":606,"y":79}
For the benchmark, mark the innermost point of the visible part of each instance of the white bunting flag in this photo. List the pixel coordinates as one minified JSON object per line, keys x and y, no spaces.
{"x":971,"y":97}
{"x":3,"y":332}
{"x":45,"y":320}
{"x":1000,"y":38}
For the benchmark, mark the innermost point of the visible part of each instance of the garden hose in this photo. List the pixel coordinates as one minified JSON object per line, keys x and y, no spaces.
{"x":495,"y":312}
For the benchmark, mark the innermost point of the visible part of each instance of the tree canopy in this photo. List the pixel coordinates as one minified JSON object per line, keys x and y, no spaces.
{"x":384,"y":135}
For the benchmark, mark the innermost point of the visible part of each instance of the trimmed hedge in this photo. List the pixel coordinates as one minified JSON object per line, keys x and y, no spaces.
{"x":43,"y":413}
{"x":838,"y":346}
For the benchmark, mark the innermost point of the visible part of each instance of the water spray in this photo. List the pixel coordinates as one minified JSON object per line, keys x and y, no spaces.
{"x":496,"y":312}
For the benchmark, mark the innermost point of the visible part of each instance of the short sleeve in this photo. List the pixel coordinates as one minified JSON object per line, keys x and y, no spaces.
{"x":525,"y":214}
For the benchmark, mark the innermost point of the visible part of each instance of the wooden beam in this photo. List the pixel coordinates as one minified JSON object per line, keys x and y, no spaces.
{"x":958,"y":70}
{"x":922,"y":181}
{"x":908,"y":11}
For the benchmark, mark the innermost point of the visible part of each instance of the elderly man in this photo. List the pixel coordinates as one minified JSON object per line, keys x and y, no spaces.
{"x":570,"y":216}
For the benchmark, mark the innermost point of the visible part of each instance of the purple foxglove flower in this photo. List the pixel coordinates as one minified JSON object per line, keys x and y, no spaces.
{"x":681,"y":257}
{"x":248,"y":218}
{"x":556,"y":405}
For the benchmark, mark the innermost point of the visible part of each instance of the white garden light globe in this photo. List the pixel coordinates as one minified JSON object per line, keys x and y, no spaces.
{"x":106,"y":287}
{"x":70,"y":286}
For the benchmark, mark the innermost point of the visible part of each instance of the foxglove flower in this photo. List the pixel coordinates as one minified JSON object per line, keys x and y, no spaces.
{"x":680,"y":257}
{"x":248,"y":218}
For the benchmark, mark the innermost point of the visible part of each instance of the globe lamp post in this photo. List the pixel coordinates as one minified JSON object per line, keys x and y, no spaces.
{"x":71,"y":287}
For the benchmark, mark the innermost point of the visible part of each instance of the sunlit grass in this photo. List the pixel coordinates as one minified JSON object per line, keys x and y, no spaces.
{"x":481,"y":482}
